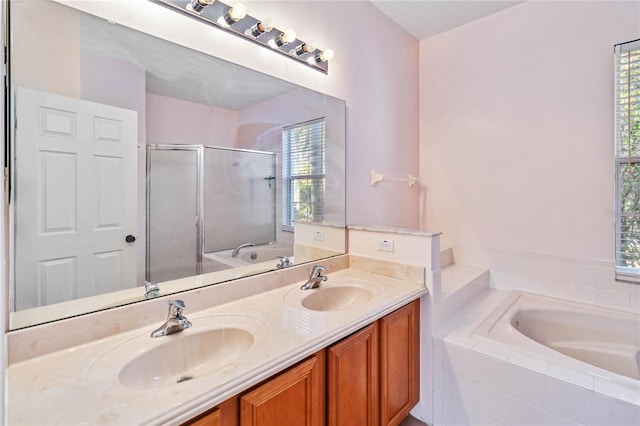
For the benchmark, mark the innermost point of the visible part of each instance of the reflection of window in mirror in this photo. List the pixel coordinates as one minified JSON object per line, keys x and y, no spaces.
{"x":303,"y":172}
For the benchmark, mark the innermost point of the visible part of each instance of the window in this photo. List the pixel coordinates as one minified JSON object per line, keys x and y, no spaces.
{"x":627,"y":136}
{"x":303,"y":169}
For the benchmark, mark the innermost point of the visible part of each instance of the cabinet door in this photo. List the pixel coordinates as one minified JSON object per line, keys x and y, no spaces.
{"x":353,"y":379}
{"x":399,"y":363}
{"x":295,"y":397}
{"x":225,"y":414}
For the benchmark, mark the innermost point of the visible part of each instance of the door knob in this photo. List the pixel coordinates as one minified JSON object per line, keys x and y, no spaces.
{"x":130,"y":238}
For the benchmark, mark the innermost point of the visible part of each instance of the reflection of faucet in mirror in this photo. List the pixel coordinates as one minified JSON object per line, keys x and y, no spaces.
{"x":315,"y":278}
{"x":235,"y":252}
{"x":151,"y":290}
{"x":285,"y":262}
{"x":175,"y":321}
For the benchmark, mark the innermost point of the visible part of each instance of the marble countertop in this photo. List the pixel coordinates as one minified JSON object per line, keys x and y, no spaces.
{"x":80,"y":385}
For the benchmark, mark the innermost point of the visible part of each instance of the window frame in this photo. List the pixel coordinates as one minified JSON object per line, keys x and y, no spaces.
{"x":288,"y":179}
{"x":623,"y":273}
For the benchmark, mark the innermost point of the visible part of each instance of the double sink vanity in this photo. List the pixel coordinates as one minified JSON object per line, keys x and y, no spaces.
{"x":257,"y":349}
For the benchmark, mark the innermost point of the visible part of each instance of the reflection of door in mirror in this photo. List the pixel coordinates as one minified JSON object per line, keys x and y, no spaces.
{"x":71,"y":239}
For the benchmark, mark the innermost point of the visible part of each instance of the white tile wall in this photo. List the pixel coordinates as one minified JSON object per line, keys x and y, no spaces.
{"x":580,"y":280}
{"x":478,"y":389}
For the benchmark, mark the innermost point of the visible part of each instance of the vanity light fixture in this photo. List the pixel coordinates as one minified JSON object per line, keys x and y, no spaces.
{"x":198,"y":6}
{"x":260,"y":28}
{"x":235,"y":13}
{"x":235,"y":20}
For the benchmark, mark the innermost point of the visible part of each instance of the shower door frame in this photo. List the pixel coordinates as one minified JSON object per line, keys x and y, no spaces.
{"x":199,"y":150}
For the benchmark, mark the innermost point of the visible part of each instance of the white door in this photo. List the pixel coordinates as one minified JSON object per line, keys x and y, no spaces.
{"x":75,"y":198}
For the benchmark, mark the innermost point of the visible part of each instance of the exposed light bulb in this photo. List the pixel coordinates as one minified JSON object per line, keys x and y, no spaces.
{"x":286,"y":37}
{"x":237,"y":12}
{"x":198,"y":6}
{"x":325,"y":55}
{"x":308,"y":47}
{"x":311,"y":46}
{"x":267,"y":25}
{"x":260,"y":28}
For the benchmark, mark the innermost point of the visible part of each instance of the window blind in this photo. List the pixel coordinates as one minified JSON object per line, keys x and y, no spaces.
{"x":627,"y":148}
{"x":303,"y":168}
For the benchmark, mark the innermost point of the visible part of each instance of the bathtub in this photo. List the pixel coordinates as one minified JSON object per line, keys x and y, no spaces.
{"x":592,"y":340}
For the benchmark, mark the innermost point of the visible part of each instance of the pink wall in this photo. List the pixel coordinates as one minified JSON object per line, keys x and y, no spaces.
{"x":171,"y":120}
{"x":517,"y":127}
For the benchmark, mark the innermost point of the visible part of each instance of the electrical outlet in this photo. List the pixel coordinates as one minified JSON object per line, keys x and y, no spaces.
{"x":319,"y":236}
{"x":385,"y":245}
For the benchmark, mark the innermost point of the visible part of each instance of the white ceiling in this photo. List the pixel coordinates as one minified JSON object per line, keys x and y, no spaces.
{"x":425,"y":18}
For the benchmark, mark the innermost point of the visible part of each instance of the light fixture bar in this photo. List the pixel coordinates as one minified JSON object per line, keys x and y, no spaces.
{"x":219,"y":15}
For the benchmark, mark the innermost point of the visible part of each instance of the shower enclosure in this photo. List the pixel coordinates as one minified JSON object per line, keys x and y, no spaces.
{"x":205,"y":199}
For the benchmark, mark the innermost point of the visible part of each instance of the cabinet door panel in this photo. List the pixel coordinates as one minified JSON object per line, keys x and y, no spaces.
{"x":295,"y":397}
{"x":225,"y":414}
{"x":353,"y":379}
{"x":399,"y":363}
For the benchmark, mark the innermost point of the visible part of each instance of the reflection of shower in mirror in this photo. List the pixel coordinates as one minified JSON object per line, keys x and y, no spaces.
{"x":225,"y":191}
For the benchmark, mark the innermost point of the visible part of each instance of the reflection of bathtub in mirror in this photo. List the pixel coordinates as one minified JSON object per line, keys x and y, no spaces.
{"x":252,"y":255}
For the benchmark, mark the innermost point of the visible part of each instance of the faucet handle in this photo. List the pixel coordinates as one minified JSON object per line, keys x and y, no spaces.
{"x":317,"y":270}
{"x":176,"y":307}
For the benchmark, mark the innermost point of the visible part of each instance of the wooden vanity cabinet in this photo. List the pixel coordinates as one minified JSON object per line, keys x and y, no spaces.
{"x":373,"y":375}
{"x":399,"y":363}
{"x":225,"y":414}
{"x":370,"y":378}
{"x":295,"y":397}
{"x":352,"y":379}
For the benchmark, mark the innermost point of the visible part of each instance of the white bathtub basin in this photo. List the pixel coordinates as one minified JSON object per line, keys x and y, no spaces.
{"x":553,"y":328}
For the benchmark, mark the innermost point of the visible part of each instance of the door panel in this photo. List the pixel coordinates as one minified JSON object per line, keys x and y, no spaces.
{"x":76,"y":202}
{"x":353,"y":379}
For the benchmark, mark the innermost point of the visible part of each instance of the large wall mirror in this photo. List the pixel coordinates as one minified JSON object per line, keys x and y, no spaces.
{"x":139,"y":167}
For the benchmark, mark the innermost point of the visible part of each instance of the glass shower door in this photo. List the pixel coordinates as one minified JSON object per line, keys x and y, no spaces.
{"x":174,"y":205}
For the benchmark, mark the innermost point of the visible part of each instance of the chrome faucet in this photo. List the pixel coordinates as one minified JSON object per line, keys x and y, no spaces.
{"x":175,"y":321}
{"x":151,"y":290}
{"x":285,"y":262}
{"x":235,"y":252}
{"x":315,"y":278}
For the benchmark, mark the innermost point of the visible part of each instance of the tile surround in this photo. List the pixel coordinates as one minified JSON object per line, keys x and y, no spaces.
{"x":580,"y":280}
{"x":485,"y":383}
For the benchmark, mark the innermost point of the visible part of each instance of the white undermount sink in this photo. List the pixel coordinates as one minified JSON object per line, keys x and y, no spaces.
{"x":335,"y":294}
{"x":212,"y":344}
{"x":336,"y":298}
